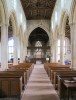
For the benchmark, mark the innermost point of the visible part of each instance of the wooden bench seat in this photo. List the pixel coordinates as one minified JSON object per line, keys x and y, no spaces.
{"x":28,"y":72}
{"x":50,"y":66}
{"x":57,"y":72}
{"x":14,"y":80}
{"x":22,"y":72}
{"x":60,"y":82}
{"x":28,"y":66}
{"x":10,"y":86}
{"x":51,"y":72}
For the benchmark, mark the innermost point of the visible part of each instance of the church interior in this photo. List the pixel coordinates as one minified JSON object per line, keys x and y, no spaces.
{"x":37,"y":50}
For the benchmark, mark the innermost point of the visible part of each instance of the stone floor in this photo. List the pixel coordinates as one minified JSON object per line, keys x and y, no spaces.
{"x":39,"y":86}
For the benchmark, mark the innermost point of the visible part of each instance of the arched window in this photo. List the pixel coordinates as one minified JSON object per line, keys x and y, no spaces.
{"x":38,"y":44}
{"x":10,"y":48}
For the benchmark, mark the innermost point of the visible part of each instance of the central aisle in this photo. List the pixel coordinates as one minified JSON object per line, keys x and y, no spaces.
{"x":39,"y":86}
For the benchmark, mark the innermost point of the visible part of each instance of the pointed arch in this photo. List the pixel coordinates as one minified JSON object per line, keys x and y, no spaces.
{"x":2,"y":14}
{"x":72,"y":11}
{"x":63,"y":22}
{"x":20,"y":32}
{"x":13,"y":18}
{"x":5,"y":11}
{"x":36,"y":26}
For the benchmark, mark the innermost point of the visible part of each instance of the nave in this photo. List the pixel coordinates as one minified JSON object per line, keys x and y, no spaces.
{"x":39,"y":86}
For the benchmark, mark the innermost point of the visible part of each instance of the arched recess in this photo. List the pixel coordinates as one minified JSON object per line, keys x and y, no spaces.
{"x":13,"y":18}
{"x":41,"y":26}
{"x":12,"y":36}
{"x":63,"y":21}
{"x":65,"y":33}
{"x":37,"y":34}
{"x":38,"y":44}
{"x":65,"y":25}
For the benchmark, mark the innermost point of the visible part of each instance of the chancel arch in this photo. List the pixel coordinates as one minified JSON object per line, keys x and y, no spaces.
{"x":39,"y":42}
{"x":41,"y":26}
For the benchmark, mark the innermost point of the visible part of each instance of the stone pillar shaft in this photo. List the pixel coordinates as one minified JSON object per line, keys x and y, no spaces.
{"x":54,"y":52}
{"x":21,"y":51}
{"x":15,"y":50}
{"x":4,"y":46}
{"x":73,"y":45}
{"x":62,"y":49}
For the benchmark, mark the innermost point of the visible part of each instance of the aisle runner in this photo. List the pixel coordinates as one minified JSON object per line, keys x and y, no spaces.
{"x":39,"y":86}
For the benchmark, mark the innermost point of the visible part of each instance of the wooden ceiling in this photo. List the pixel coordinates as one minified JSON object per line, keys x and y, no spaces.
{"x":38,"y":9}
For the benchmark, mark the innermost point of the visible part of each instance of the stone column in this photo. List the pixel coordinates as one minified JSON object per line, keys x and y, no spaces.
{"x":4,"y":46}
{"x":18,"y":47}
{"x":24,"y":51}
{"x":61,"y":49}
{"x":21,"y":51}
{"x":15,"y":50}
{"x":54,"y":52}
{"x":73,"y":45}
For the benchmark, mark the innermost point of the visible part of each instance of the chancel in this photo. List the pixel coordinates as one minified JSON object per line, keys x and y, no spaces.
{"x":37,"y":50}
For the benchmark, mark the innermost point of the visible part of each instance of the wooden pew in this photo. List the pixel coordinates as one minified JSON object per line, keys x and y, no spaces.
{"x":57,"y":72}
{"x":50,"y":66}
{"x":10,"y":86}
{"x":21,"y":72}
{"x":14,"y":79}
{"x":27,"y":66}
{"x":47,"y":66}
{"x":15,"y":73}
{"x":55,"y":69}
{"x":23,"y":65}
{"x":62,"y":77}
